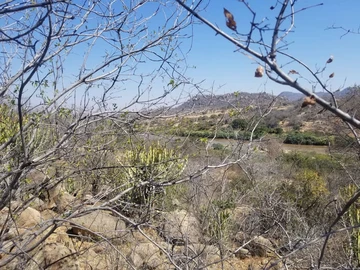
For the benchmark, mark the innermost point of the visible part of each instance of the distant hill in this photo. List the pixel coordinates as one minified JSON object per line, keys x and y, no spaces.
{"x":202,"y":102}
{"x":226,"y":101}
{"x":294,"y":96}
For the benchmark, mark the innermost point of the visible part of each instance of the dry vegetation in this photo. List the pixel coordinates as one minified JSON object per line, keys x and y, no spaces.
{"x":89,"y":182}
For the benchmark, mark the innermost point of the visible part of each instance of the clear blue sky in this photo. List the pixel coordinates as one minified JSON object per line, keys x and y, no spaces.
{"x":228,"y":71}
{"x":216,"y":61}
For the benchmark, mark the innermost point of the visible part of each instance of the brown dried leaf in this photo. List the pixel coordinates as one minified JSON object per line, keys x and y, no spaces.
{"x":332,"y":75}
{"x":308,"y":101}
{"x":259,"y":72}
{"x":230,"y":20}
{"x":293,"y":72}
{"x":331,"y":58}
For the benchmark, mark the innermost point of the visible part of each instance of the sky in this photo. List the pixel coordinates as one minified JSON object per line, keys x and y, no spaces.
{"x":217,"y":63}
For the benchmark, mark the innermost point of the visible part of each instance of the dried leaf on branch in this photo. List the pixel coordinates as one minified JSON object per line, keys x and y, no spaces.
{"x":230,"y":20}
{"x":259,"y":72}
{"x":331,"y":58}
{"x":332,"y":75}
{"x":308,"y":101}
{"x":293,"y":72}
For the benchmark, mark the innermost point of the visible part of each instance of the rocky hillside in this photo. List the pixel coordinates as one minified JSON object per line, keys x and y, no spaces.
{"x":295,"y":96}
{"x":227,"y":101}
{"x":96,"y":239}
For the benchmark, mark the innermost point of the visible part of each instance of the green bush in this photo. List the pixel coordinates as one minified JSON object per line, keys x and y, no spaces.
{"x":239,"y":124}
{"x":218,"y":146}
{"x":320,"y":162}
{"x":306,"y":139}
{"x":307,"y":190}
{"x":277,"y":130}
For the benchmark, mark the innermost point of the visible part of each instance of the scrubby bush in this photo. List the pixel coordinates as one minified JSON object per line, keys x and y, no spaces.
{"x":307,"y":190}
{"x":318,"y":162}
{"x":218,"y":146}
{"x":306,"y":139}
{"x":239,"y":123}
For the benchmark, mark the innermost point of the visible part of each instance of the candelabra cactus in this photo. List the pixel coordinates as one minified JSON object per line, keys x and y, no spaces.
{"x":147,"y":168}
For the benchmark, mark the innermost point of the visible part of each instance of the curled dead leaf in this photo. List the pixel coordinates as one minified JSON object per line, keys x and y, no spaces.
{"x":332,"y":75}
{"x":308,"y":101}
{"x":230,"y":20}
{"x":259,"y":72}
{"x":293,"y":72}
{"x":331,"y":58}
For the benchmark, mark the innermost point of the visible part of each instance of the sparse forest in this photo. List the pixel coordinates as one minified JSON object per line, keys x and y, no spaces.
{"x":101,"y":169}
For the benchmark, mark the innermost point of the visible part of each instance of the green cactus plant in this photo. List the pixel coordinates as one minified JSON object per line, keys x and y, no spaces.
{"x":147,"y":167}
{"x":217,"y":217}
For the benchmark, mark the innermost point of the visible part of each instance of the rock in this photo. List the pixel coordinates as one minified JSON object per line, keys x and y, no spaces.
{"x":98,"y":222}
{"x":3,"y":216}
{"x":64,"y":201}
{"x":180,"y":227}
{"x":137,"y":237}
{"x":55,"y":252}
{"x":38,"y":204}
{"x":92,"y":260}
{"x":261,"y":247}
{"x":28,"y":218}
{"x":202,"y":254}
{"x":242,"y":253}
{"x":148,"y":256}
{"x":48,"y":214}
{"x":58,"y":198}
{"x":241,"y":214}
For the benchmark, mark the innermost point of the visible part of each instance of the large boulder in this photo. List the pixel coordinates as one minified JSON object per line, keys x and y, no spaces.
{"x":59,"y":199}
{"x":242,"y":215}
{"x":258,"y":246}
{"x":52,"y":252}
{"x":180,"y":227}
{"x":98,"y":222}
{"x":261,"y":247}
{"x":148,"y":256}
{"x":56,"y":252}
{"x":28,"y":220}
{"x":201,"y":254}
{"x":38,"y":204}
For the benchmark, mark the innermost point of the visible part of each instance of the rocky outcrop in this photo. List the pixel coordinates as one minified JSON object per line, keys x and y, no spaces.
{"x":97,"y":223}
{"x":180,"y":227}
{"x":99,"y":240}
{"x":148,"y":256}
{"x":256,"y":246}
